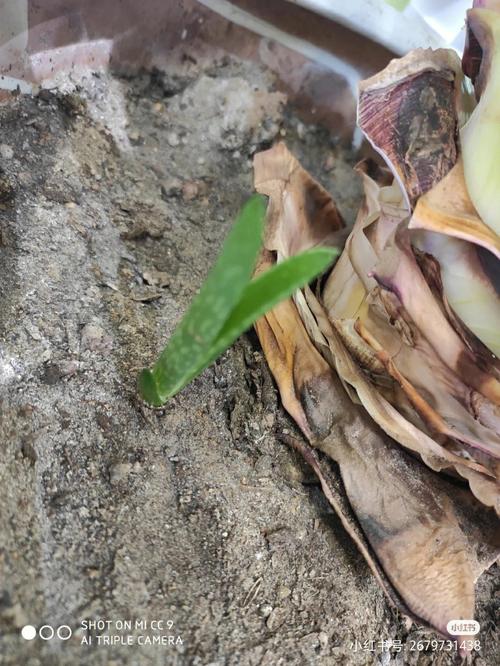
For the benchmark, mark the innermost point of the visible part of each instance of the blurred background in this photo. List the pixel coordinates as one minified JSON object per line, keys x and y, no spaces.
{"x":318,"y":48}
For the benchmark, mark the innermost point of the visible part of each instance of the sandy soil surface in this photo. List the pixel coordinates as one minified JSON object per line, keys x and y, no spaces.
{"x":114,"y":202}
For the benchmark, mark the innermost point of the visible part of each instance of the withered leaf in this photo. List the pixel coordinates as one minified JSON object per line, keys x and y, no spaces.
{"x":447,"y":209}
{"x":420,"y":527}
{"x":408,"y":113}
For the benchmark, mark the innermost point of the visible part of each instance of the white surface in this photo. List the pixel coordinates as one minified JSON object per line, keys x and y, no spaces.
{"x":447,"y":17}
{"x":398,"y":31}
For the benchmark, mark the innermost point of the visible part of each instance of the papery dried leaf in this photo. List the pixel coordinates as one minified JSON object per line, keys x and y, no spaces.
{"x":334,"y":491}
{"x":468,"y":288}
{"x":473,"y":53}
{"x":428,"y":562}
{"x":476,"y":58}
{"x":406,"y":517}
{"x":292,"y":357}
{"x":417,"y":360}
{"x":399,"y":551}
{"x":447,"y":209}
{"x":398,"y":272}
{"x":385,"y":207}
{"x":398,"y":424}
{"x":436,"y":425}
{"x":279,"y":175}
{"x":408,"y":112}
{"x":346,"y":300}
{"x":341,"y":430}
{"x":431,"y":270}
{"x":345,"y":294}
{"x":413,"y":520}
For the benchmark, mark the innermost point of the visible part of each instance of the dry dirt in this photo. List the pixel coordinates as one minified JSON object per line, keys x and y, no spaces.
{"x":115,"y":200}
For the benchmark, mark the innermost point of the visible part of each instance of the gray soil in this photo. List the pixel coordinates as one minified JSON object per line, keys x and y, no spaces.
{"x":115,"y":200}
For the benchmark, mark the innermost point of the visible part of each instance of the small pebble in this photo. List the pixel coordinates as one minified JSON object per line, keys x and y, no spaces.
{"x":94,"y":338}
{"x":265,"y":610}
{"x":284,"y":592}
{"x":6,"y":151}
{"x":301,"y":130}
{"x":173,"y":139}
{"x":119,"y":472}
{"x":156,"y":278}
{"x":51,"y":374}
{"x":275,"y":619}
{"x":190,"y":190}
{"x":33,"y":332}
{"x":171,"y":187}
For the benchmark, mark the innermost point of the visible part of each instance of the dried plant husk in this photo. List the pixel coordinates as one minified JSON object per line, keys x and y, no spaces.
{"x":443,"y":205}
{"x":366,"y":387}
{"x":473,"y":64}
{"x":438,"y":395}
{"x":287,"y":184}
{"x":407,"y":323}
{"x":438,"y":386}
{"x":473,"y":52}
{"x":447,"y":209}
{"x":410,"y":114}
{"x":467,"y":286}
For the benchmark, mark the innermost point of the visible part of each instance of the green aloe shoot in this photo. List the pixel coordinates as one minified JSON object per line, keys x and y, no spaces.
{"x":228,"y":303}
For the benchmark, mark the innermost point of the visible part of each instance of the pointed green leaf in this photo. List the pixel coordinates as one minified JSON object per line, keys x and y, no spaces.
{"x":211,"y":307}
{"x":272,"y":287}
{"x":258,"y":297}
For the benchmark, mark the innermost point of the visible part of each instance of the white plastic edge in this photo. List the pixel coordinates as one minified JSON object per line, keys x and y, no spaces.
{"x":398,"y":31}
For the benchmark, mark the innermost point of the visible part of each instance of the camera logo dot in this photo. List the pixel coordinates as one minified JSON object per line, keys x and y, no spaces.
{"x":64,"y":632}
{"x":28,"y":632}
{"x":46,"y":632}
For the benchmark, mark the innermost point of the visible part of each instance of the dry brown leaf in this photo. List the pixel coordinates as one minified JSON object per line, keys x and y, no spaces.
{"x":447,"y":209}
{"x":408,"y":112}
{"x":420,"y":527}
{"x":408,"y":515}
{"x":278,"y":174}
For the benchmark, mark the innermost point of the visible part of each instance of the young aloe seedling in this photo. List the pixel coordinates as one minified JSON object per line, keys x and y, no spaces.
{"x":228,"y":303}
